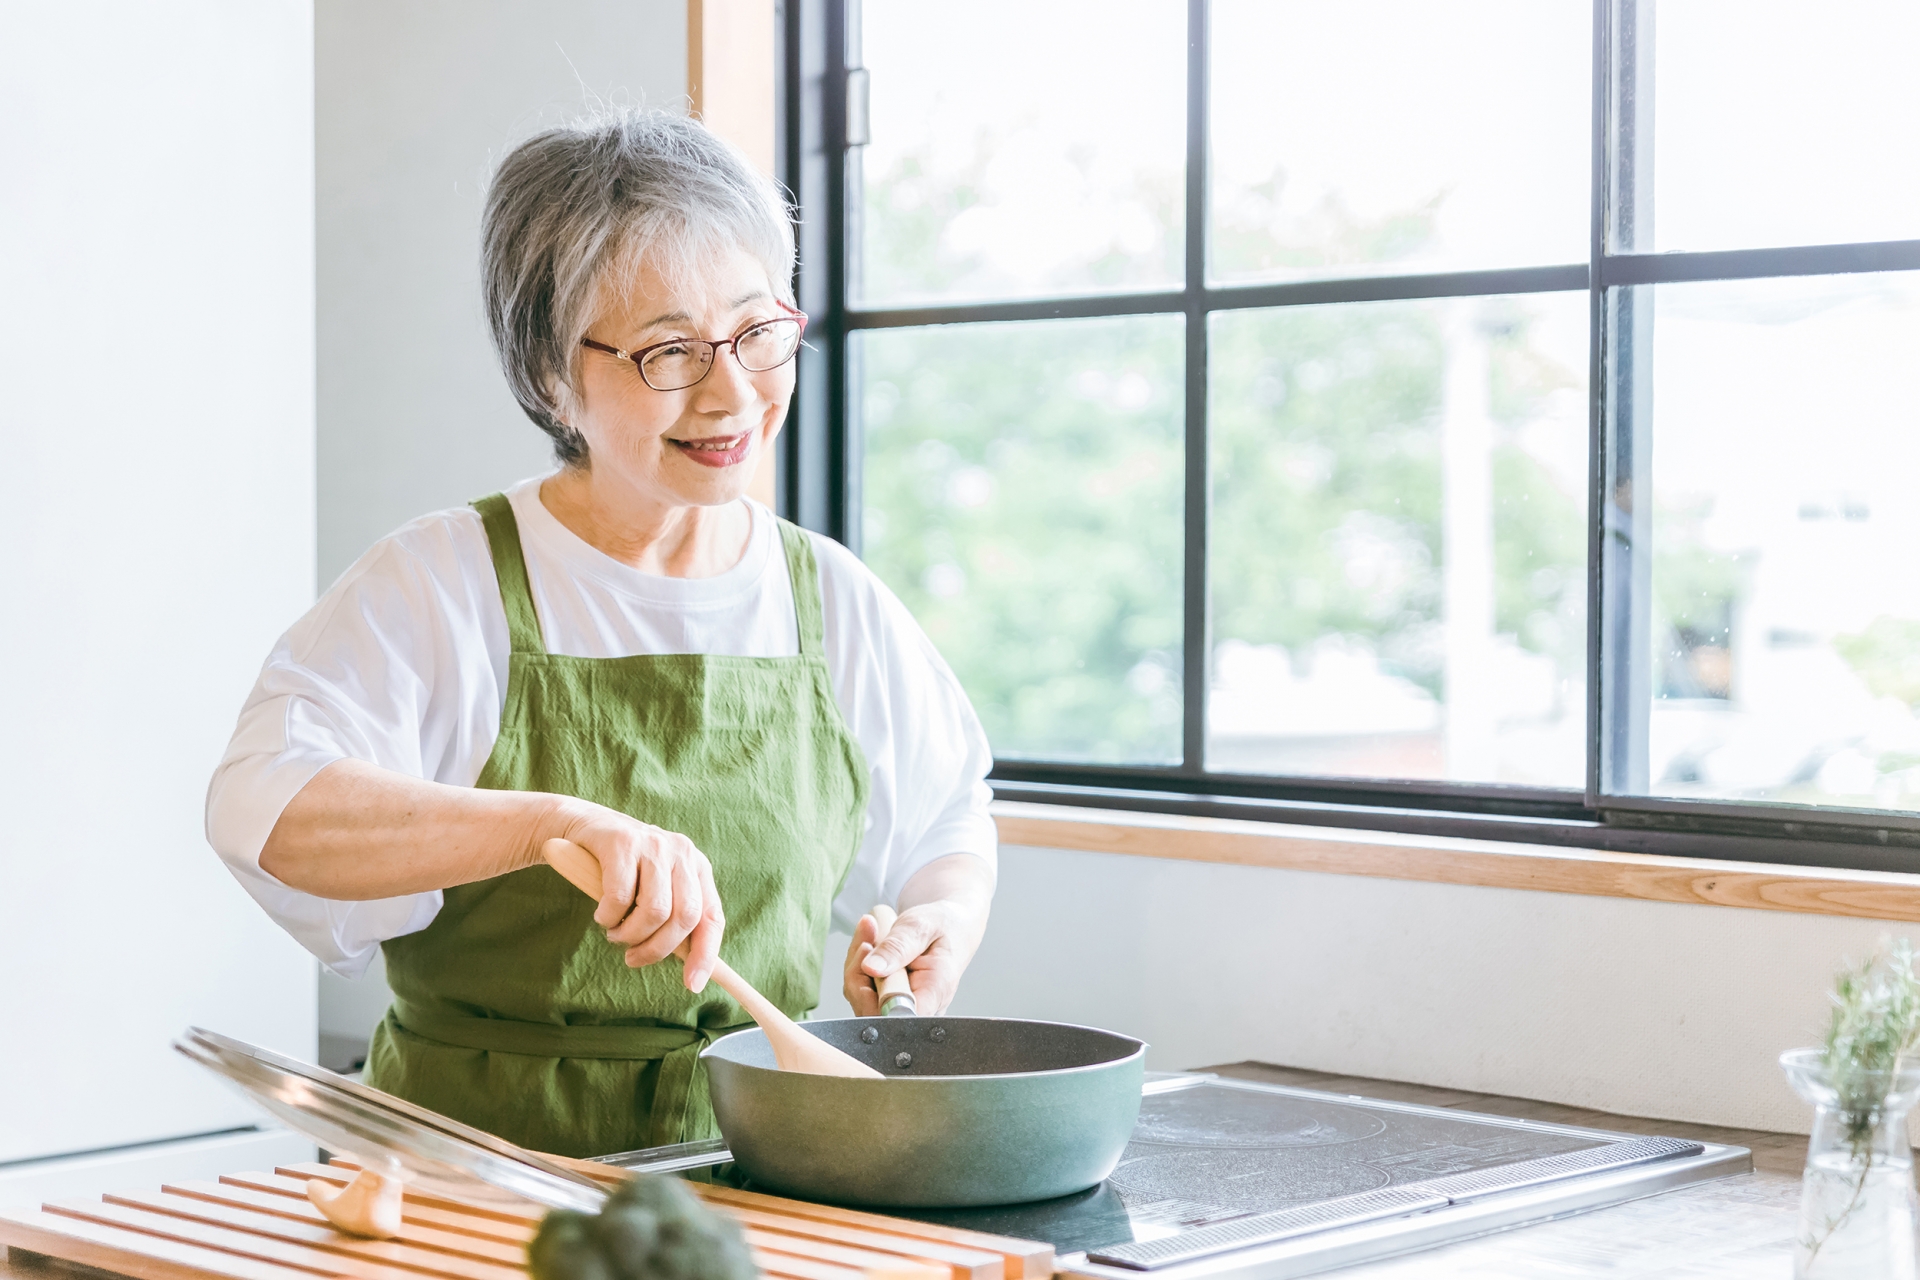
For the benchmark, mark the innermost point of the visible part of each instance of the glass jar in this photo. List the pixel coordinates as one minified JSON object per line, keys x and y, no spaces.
{"x":1858,"y":1211}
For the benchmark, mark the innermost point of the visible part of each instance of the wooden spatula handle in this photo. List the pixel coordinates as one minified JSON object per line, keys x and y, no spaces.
{"x":793,"y":1049}
{"x":582,"y":871}
{"x":580,"y":867}
{"x":896,"y":989}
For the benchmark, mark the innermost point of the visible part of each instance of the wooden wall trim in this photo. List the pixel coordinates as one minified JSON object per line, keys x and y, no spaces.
{"x":1870,"y":895}
{"x":732,"y":46}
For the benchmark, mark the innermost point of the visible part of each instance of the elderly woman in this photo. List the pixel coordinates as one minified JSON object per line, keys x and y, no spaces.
{"x":735,"y":717}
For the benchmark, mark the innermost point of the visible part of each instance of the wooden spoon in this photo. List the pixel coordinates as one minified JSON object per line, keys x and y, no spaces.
{"x":793,"y":1048}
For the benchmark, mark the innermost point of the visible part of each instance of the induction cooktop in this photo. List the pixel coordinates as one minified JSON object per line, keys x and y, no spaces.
{"x":1229,"y":1178}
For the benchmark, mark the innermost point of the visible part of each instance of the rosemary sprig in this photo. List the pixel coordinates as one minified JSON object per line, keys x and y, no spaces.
{"x":1875,"y":1025}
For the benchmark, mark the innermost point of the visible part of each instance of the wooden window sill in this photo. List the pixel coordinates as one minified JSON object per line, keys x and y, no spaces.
{"x":1871,"y":895}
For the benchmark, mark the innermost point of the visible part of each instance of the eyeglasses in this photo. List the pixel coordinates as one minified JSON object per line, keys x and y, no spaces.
{"x":682,"y":362}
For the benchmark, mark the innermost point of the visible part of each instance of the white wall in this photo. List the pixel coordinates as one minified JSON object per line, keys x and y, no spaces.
{"x":1643,"y":1008}
{"x":156,"y":441}
{"x":416,"y":100}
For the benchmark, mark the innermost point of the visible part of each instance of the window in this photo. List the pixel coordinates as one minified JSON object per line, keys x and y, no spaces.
{"x":1445,"y":416}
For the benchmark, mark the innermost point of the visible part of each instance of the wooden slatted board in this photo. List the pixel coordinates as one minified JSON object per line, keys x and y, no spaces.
{"x":260,"y":1226}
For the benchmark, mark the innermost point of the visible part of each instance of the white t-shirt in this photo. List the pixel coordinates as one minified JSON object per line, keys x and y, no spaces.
{"x":403,"y":664}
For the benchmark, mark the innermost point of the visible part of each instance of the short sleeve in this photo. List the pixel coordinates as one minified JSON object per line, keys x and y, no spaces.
{"x":925,"y":748}
{"x":392,"y":666}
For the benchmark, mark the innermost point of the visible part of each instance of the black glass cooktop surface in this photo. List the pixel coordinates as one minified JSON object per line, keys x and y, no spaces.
{"x":1209,"y":1150}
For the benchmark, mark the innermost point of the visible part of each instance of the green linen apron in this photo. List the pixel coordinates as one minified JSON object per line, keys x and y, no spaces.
{"x":512,"y":1011}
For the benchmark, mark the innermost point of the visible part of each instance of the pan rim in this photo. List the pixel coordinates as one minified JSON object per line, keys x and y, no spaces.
{"x":1138,"y":1052}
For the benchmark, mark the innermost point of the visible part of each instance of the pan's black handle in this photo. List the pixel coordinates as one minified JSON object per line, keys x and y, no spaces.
{"x":896,"y":991}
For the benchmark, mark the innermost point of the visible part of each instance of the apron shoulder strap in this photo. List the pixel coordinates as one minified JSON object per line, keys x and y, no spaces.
{"x":801,"y":571}
{"x":510,"y":567}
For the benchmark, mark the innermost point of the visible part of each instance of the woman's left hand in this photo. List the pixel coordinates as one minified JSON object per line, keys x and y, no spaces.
{"x":943,"y":914}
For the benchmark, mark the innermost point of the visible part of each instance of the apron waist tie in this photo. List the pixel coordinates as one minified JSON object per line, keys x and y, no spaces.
{"x":681,"y":1090}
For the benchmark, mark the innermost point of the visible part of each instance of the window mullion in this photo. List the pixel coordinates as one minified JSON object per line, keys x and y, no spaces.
{"x":1622,"y":338}
{"x":814,"y":454}
{"x":1601,"y":158}
{"x":1194,"y":603}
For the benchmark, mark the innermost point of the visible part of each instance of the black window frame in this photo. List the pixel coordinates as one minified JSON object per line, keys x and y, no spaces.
{"x":821,"y":94}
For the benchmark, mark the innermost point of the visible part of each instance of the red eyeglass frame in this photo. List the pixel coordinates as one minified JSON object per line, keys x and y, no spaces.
{"x":638,"y":357}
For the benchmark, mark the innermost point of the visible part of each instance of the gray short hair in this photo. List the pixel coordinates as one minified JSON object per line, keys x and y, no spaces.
{"x":572,"y":209}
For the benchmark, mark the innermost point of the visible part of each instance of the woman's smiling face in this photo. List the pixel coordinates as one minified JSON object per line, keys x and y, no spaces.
{"x":701,"y":445}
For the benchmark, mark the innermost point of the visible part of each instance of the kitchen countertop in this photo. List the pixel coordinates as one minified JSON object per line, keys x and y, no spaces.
{"x":1730,"y":1229}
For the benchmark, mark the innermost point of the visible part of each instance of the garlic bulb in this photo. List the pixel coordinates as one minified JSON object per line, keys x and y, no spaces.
{"x":368,"y":1206}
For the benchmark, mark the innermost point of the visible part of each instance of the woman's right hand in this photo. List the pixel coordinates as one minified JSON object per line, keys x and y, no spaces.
{"x":357,"y":831}
{"x":657,"y":890}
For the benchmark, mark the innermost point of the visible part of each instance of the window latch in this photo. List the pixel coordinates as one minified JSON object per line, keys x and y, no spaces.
{"x":859,"y":132}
